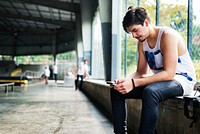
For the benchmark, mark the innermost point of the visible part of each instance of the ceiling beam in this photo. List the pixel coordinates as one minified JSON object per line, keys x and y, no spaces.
{"x":18,"y":29}
{"x":65,"y":24}
{"x":67,"y":6}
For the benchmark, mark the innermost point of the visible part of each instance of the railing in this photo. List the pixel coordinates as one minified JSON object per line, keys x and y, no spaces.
{"x":31,"y":74}
{"x":6,"y":86}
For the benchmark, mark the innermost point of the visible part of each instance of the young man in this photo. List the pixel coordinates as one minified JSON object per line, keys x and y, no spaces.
{"x":86,"y":70}
{"x":55,"y":72}
{"x":82,"y":72}
{"x":46,"y":75}
{"x":164,"y":51}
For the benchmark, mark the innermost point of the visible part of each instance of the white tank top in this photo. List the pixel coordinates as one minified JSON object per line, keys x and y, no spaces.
{"x":185,"y":72}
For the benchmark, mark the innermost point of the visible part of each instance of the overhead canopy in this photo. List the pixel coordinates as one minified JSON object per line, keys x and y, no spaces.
{"x":34,"y":27}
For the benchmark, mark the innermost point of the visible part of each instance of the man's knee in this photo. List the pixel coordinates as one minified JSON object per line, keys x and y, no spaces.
{"x":151,"y":94}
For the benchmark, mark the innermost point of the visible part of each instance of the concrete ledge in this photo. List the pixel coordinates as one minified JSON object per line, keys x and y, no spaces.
{"x":171,"y":119}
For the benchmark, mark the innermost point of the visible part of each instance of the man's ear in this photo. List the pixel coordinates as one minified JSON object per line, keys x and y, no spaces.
{"x":146,"y":23}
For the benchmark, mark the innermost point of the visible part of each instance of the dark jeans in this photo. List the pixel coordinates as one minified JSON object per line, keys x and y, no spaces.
{"x":81,"y":82}
{"x":151,"y":95}
{"x":55,"y":77}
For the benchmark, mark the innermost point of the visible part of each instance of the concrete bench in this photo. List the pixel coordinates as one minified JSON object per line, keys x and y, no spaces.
{"x":6,"y":85}
{"x":171,"y":118}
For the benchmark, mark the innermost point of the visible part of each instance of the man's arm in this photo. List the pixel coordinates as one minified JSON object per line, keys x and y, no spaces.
{"x":141,"y":71}
{"x":169,"y":49}
{"x":142,"y":66}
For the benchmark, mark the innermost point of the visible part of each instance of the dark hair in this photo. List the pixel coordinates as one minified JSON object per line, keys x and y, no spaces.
{"x":134,"y":16}
{"x":85,"y":60}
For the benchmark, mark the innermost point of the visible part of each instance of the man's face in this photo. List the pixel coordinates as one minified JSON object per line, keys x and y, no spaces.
{"x":138,"y":32}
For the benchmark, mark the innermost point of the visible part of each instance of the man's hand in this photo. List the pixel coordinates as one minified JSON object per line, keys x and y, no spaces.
{"x":124,"y":86}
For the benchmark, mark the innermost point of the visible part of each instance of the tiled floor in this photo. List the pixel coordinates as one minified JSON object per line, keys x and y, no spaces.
{"x":49,"y":109}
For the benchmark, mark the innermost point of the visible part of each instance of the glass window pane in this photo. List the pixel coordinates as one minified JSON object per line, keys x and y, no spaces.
{"x":97,"y":52}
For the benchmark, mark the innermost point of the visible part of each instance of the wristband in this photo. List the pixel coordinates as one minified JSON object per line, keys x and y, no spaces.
{"x":133,"y":83}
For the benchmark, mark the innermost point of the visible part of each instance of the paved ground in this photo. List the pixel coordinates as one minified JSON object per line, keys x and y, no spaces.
{"x":49,"y":109}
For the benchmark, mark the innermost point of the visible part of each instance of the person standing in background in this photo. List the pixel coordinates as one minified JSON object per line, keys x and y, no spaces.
{"x":82,"y":72}
{"x":51,"y":72}
{"x":55,"y":72}
{"x":86,"y":70}
{"x":46,"y":75}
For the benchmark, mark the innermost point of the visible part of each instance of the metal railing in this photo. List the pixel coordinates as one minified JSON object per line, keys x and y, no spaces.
{"x":31,"y":74}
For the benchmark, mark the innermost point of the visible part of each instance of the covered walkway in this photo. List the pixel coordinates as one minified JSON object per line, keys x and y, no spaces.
{"x":50,"y":109}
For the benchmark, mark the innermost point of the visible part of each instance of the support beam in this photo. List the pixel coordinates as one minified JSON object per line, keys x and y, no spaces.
{"x":105,"y":15}
{"x":67,"y":6}
{"x":189,"y":34}
{"x":116,"y":40}
{"x":66,"y":24}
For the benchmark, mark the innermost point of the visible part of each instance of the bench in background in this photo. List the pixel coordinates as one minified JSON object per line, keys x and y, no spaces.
{"x":6,"y":85}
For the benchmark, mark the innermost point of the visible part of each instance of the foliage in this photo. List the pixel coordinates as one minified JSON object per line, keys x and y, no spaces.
{"x":44,"y":59}
{"x":67,"y":56}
